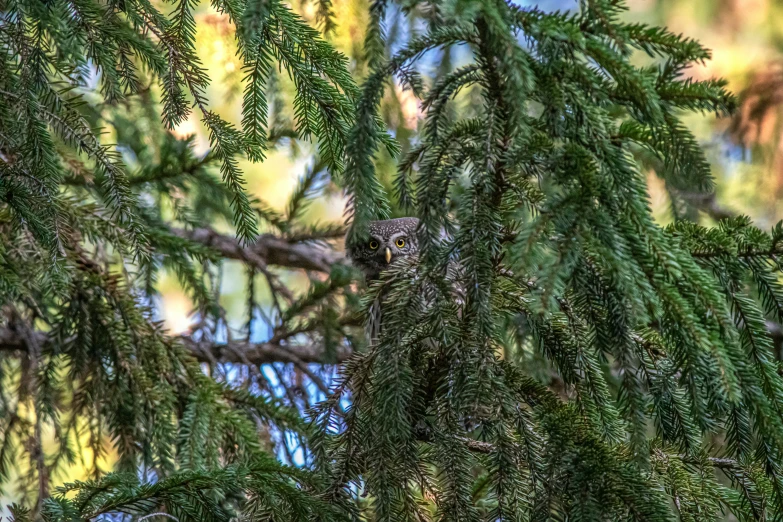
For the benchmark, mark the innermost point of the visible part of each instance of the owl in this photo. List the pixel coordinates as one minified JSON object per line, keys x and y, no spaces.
{"x":388,"y":241}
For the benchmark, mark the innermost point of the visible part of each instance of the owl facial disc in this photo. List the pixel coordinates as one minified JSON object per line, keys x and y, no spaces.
{"x":385,"y":242}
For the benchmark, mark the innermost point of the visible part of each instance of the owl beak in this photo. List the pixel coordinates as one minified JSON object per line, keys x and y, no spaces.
{"x":388,"y":255}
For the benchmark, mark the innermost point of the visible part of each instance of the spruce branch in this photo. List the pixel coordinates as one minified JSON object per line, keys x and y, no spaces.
{"x":234,"y":352}
{"x":266,"y":250}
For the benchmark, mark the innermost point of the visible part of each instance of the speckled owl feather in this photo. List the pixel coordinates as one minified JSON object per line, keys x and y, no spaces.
{"x":387,"y":241}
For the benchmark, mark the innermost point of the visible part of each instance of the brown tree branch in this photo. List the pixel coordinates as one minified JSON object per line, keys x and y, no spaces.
{"x":707,"y":203}
{"x":267,"y":250}
{"x":237,"y":352}
{"x":241,"y":352}
{"x":477,"y":446}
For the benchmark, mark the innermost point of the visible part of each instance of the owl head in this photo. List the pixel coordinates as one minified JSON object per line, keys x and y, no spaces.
{"x":388,"y":240}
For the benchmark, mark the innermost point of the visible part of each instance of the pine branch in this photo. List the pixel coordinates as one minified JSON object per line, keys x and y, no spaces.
{"x":234,"y":352}
{"x":266,"y":250}
{"x":536,"y":241}
{"x":488,"y":448}
{"x":707,"y":202}
{"x":238,"y":352}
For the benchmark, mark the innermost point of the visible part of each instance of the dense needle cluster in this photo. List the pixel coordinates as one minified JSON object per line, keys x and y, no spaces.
{"x":87,"y":226}
{"x":594,"y":367}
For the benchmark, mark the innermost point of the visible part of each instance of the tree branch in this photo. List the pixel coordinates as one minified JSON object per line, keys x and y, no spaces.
{"x":266,"y":250}
{"x":237,"y":352}
{"x":241,"y":352}
{"x":707,"y":203}
{"x":477,"y":446}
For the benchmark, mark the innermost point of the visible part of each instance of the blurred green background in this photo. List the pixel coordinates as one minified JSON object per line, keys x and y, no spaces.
{"x":746,"y":152}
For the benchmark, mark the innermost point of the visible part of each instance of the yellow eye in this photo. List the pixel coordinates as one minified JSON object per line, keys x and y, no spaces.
{"x":401,"y":242}
{"x":373,"y":245}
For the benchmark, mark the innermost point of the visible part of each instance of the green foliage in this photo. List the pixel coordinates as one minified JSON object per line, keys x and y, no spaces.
{"x":48,"y":52}
{"x":88,"y":227}
{"x":658,"y":336}
{"x":552,"y":353}
{"x":274,"y":492}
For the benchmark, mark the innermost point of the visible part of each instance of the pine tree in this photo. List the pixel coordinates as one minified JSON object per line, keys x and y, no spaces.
{"x":596,"y":366}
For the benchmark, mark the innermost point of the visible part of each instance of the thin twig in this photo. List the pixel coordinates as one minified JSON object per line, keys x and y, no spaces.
{"x":160,"y":514}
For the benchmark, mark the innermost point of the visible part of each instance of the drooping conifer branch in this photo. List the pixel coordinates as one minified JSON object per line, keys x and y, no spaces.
{"x":234,"y":352}
{"x":551,"y":353}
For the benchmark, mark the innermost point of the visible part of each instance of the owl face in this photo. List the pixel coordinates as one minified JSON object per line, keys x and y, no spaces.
{"x":388,"y":240}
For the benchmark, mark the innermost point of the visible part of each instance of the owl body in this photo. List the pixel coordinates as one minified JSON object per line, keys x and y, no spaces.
{"x":387,"y":241}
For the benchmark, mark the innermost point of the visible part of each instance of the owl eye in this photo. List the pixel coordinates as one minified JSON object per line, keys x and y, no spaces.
{"x":400,"y":242}
{"x":373,"y":245}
